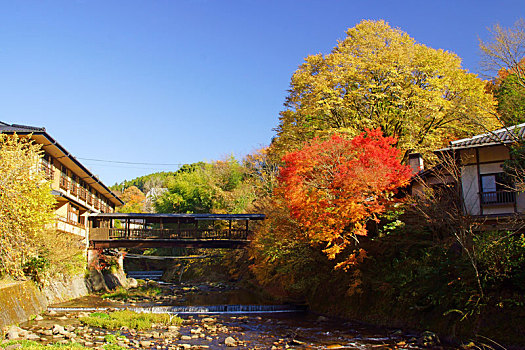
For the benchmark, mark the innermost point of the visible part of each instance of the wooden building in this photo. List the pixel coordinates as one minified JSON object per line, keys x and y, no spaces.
{"x":77,"y":191}
{"x":483,"y":188}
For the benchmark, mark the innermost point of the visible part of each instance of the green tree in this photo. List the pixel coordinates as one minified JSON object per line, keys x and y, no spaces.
{"x":511,"y":100}
{"x":218,"y":187}
{"x":26,"y":203}
{"x":379,"y":77}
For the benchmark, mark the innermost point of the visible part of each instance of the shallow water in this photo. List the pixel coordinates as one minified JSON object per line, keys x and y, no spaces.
{"x":266,"y":327}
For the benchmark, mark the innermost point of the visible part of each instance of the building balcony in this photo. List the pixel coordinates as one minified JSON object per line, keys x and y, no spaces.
{"x":73,"y":190}
{"x":48,"y":170}
{"x":498,"y":197}
{"x":64,"y":183}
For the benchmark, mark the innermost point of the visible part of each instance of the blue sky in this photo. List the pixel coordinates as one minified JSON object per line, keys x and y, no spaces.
{"x":190,"y":80}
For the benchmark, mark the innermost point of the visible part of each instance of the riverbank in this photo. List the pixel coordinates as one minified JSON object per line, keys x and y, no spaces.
{"x":263,"y":330}
{"x":21,"y":300}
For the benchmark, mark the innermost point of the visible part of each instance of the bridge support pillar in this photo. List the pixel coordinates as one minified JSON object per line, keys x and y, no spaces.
{"x":92,"y":258}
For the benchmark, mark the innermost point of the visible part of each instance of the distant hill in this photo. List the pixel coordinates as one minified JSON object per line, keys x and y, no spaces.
{"x":159,"y":179}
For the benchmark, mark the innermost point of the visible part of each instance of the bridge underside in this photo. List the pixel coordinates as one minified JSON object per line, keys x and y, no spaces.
{"x":167,"y":243}
{"x":141,"y":230}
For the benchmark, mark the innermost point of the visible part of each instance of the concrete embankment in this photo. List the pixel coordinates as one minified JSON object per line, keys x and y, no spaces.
{"x":21,"y":300}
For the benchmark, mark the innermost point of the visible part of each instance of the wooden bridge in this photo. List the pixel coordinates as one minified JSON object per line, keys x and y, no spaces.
{"x":142,"y":230}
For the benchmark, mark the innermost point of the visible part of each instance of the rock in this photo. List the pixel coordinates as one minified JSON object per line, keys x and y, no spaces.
{"x":428,"y":339}
{"x":31,"y":336}
{"x":51,"y":312}
{"x":58,"y":329}
{"x":145,"y":343}
{"x":230,"y":342}
{"x":156,"y":335}
{"x":185,"y":337}
{"x":38,"y":318}
{"x":185,"y":346}
{"x":14,"y":332}
{"x":132,"y":283}
{"x":322,"y":319}
{"x":70,"y":335}
{"x":209,"y":320}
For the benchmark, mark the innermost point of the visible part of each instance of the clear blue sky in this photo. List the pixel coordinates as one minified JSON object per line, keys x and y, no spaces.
{"x":182,"y":81}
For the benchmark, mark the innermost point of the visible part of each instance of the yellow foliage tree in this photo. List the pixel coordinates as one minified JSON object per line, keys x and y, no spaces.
{"x":134,"y":199}
{"x":26,"y":203}
{"x":379,"y":77}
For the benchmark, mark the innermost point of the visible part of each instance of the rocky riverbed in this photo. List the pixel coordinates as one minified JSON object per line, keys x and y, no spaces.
{"x":205,"y":331}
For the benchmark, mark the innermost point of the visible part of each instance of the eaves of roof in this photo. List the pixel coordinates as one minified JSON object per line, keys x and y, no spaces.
{"x":502,"y":136}
{"x":28,"y":130}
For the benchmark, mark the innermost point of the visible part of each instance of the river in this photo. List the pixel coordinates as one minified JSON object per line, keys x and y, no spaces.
{"x":220,"y":316}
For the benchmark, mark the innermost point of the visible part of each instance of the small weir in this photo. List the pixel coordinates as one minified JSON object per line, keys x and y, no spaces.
{"x":192,"y":310}
{"x":146,"y":275}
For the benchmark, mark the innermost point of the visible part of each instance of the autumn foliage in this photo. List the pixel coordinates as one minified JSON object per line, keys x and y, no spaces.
{"x":334,"y":187}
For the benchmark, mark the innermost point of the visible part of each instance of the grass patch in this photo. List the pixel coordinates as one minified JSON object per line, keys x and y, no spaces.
{"x":29,"y":344}
{"x":125,"y":294}
{"x":130,"y":319}
{"x":32,"y":345}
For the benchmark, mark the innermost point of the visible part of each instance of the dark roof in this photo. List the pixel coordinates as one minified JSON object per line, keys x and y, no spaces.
{"x":176,"y":217}
{"x":4,"y":127}
{"x":497,"y":137}
{"x":26,"y":130}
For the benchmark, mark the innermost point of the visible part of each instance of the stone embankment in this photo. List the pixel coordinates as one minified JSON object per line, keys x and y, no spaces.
{"x":22,"y":300}
{"x":19,"y":301}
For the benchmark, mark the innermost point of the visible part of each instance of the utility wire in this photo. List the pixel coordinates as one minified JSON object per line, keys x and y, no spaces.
{"x":122,"y":162}
{"x":96,"y":165}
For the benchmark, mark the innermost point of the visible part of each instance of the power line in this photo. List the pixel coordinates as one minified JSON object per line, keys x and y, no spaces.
{"x":124,"y":166}
{"x":134,"y":163}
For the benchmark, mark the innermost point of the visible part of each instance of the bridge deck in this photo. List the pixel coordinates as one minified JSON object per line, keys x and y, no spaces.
{"x":139,"y":230}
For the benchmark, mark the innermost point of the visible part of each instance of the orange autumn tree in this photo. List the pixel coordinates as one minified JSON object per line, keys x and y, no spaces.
{"x":333,"y":187}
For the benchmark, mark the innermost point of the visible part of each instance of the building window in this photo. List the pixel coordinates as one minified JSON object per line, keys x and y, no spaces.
{"x":90,"y":196}
{"x":47,"y":166}
{"x":96,"y":203}
{"x":74,"y":214}
{"x":74,"y":185}
{"x":64,"y":180}
{"x":82,"y":190}
{"x":497,"y":189}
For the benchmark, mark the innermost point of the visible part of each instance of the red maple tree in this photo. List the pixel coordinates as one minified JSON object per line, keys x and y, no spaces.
{"x":334,"y":187}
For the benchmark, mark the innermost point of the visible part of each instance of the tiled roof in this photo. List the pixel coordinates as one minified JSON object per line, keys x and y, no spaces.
{"x":25,"y":129}
{"x":505,"y":135}
{"x":19,"y":128}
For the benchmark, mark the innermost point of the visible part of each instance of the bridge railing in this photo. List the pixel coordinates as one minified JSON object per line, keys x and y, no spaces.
{"x":103,"y":233}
